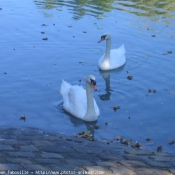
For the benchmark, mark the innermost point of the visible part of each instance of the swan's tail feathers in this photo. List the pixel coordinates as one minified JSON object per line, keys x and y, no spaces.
{"x":122,"y":47}
{"x":65,"y":86}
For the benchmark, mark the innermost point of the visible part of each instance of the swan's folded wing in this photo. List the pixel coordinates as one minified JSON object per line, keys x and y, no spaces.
{"x":77,"y":101}
{"x":117,"y":57}
{"x":65,"y":86}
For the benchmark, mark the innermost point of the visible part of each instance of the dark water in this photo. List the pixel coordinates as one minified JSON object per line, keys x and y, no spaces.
{"x":32,"y":68}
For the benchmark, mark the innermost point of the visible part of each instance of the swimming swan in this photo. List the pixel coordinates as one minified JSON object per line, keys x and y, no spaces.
{"x":111,"y":59}
{"x":80,"y":102}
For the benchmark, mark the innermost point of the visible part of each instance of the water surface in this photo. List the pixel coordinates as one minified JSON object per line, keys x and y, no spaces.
{"x":32,"y":68}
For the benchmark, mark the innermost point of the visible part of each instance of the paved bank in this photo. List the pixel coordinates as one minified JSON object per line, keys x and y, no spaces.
{"x":30,"y":151}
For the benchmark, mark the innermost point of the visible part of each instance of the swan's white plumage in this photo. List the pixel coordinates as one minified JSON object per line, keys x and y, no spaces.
{"x":75,"y":100}
{"x":116,"y":58}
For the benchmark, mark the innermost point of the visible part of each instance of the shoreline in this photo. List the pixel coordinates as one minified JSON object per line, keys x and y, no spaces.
{"x":32,"y":150}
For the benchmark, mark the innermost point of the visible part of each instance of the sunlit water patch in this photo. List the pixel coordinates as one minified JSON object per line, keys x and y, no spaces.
{"x":45,"y":41}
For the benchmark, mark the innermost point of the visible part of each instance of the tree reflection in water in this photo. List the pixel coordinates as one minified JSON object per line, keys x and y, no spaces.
{"x":97,"y":8}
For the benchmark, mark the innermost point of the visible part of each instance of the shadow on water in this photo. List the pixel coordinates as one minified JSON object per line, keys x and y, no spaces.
{"x":90,"y":126}
{"x":106,"y":77}
{"x":79,"y":8}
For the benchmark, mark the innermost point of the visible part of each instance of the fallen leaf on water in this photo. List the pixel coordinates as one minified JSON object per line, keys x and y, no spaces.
{"x":45,"y":39}
{"x":152,"y":90}
{"x":81,"y":133}
{"x":129,"y":77}
{"x":171,"y":143}
{"x":85,"y":135}
{"x":136,"y":145}
{"x":97,"y":126}
{"x":169,"y":52}
{"x":115,"y":107}
{"x":118,"y":138}
{"x":106,"y":123}
{"x":148,"y":139}
{"x":68,"y":139}
{"x":124,"y":142}
{"x":23,"y":117}
{"x":159,"y":148}
{"x":149,"y":90}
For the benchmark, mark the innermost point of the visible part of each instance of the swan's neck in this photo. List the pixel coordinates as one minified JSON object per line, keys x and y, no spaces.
{"x":90,"y":114}
{"x":108,"y":48}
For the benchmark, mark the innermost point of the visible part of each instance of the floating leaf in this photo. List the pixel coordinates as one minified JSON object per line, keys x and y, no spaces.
{"x":23,"y":117}
{"x":129,"y":77}
{"x":68,"y":139}
{"x":148,"y":139}
{"x":159,"y":148}
{"x":171,"y":143}
{"x":124,"y":142}
{"x":45,"y":39}
{"x":152,"y":90}
{"x":169,"y":52}
{"x":149,"y":90}
{"x":81,"y":133}
{"x":97,"y":127}
{"x":115,"y":107}
{"x":106,"y":123}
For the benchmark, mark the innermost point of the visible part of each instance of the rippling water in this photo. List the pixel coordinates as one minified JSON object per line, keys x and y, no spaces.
{"x":32,"y":68}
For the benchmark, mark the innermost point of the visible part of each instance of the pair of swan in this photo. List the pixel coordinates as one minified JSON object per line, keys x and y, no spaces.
{"x":80,"y":102}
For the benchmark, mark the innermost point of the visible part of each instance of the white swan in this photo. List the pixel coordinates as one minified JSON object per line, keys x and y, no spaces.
{"x":111,"y":59}
{"x":80,"y":102}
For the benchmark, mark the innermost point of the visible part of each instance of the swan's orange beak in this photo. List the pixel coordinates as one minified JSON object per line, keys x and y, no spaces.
{"x":102,"y":39}
{"x":94,"y":86}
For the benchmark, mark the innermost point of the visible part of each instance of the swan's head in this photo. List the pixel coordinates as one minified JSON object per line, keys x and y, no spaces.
{"x":91,"y":80}
{"x":106,"y":36}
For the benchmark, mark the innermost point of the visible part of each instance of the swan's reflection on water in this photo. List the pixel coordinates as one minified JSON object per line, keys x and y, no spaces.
{"x":106,"y":77}
{"x":90,"y":126}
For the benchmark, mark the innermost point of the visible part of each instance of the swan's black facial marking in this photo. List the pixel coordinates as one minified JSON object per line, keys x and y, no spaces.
{"x":93,"y":82}
{"x":103,"y":37}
